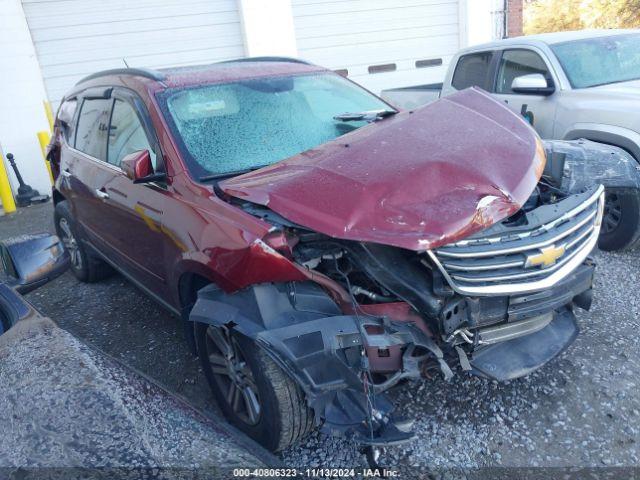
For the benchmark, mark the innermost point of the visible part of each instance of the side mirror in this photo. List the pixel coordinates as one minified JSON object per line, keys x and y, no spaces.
{"x":33,"y":260}
{"x":137,"y":165}
{"x":532,"y":84}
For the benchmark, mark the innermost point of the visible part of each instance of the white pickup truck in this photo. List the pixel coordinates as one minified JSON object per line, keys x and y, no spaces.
{"x":569,"y":86}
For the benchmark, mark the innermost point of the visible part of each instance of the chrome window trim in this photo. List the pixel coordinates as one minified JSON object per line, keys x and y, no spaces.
{"x":94,"y":159}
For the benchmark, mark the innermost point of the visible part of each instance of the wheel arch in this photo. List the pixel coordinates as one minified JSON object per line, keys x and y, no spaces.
{"x":57,"y":196}
{"x":189,"y":283}
{"x":623,"y":138}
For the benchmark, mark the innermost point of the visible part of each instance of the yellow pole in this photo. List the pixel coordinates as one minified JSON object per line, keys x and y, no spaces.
{"x":44,"y":139}
{"x":49,"y":113}
{"x":6,"y":196}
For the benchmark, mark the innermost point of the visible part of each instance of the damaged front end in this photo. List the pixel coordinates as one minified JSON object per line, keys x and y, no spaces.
{"x":514,"y":285}
{"x":470,"y":257}
{"x":499,"y":304}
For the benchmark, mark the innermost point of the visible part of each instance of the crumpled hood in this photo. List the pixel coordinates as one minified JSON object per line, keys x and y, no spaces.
{"x":417,"y":180}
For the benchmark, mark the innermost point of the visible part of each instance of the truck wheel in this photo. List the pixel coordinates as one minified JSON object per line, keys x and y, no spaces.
{"x":85,"y":266}
{"x":252,"y":391}
{"x":621,"y":220}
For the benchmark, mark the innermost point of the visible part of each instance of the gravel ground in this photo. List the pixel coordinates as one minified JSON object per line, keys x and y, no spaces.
{"x":74,"y":407}
{"x":580,"y":410}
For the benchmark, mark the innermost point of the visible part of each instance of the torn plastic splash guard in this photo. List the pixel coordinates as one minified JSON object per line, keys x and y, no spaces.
{"x":322,"y":350}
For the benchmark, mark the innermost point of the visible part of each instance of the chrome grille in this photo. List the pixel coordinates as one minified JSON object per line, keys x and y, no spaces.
{"x":525,"y":261}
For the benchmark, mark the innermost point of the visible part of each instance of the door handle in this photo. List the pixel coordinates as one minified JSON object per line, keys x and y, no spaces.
{"x":102,"y":194}
{"x":66,"y":173}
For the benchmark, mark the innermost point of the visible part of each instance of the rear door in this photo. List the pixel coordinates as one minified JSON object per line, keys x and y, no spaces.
{"x":84,"y":169}
{"x":539,"y":110}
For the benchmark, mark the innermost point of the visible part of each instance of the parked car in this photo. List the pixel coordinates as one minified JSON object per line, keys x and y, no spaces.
{"x":319,"y":245}
{"x":569,"y":86}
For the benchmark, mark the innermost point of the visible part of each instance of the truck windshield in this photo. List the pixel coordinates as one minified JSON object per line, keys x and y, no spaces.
{"x":227,"y":129}
{"x":599,"y":61}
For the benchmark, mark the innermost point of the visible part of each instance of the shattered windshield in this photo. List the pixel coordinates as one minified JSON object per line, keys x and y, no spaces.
{"x":236,"y":127}
{"x":599,"y":61}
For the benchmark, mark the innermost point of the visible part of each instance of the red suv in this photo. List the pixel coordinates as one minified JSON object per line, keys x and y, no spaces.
{"x":319,"y":245}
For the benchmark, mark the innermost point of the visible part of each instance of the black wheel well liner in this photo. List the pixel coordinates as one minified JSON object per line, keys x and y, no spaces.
{"x":320,"y":348}
{"x":57,"y":196}
{"x":188,"y":286}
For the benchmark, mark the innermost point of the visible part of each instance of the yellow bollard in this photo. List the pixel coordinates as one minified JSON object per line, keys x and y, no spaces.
{"x":49,"y":113}
{"x":6,"y":196}
{"x":44,"y":139}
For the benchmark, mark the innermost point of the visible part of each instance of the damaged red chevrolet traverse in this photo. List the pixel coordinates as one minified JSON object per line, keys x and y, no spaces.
{"x":319,"y":245}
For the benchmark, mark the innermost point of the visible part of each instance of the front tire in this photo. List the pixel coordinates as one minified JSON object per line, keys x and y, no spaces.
{"x":252,"y":391}
{"x":84,"y":266}
{"x":621,"y":219}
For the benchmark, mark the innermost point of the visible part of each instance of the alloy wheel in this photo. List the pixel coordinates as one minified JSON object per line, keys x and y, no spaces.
{"x":612,"y":213}
{"x":70,"y":243}
{"x":233,"y":375}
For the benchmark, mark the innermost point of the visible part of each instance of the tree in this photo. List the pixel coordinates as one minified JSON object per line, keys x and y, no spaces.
{"x":615,"y":13}
{"x":558,"y":15}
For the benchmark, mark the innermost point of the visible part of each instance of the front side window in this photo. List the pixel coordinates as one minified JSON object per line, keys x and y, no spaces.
{"x":249,"y":124}
{"x":93,"y":126}
{"x":599,"y":61}
{"x":126,"y":134}
{"x":472,"y":70}
{"x":516,"y":63}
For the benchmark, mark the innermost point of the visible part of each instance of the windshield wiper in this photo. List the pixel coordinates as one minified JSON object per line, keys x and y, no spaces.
{"x":368,"y":116}
{"x":218,"y":176}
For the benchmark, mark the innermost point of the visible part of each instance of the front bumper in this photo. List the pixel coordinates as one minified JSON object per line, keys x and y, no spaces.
{"x":522,"y":355}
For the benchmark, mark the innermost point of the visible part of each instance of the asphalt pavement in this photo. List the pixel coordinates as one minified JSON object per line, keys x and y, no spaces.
{"x":580,"y":410}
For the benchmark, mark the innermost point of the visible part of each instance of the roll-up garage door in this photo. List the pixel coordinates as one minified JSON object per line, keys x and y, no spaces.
{"x":380,"y":43}
{"x":74,"y":38}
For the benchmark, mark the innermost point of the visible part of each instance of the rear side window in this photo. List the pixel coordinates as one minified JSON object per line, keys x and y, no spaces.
{"x":472,"y":71}
{"x":515,"y":63}
{"x":126,"y":134}
{"x":65,"y":117}
{"x":93,"y":127}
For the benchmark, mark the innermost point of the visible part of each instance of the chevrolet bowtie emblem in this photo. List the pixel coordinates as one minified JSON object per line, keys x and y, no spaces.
{"x":547,"y":256}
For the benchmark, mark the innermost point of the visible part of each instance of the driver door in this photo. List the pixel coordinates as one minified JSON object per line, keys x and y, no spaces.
{"x":539,"y":110}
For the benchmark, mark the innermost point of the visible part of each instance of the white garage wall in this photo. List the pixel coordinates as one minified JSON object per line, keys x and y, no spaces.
{"x":21,"y":96}
{"x":47,"y":45}
{"x":74,"y":38}
{"x":358,"y":34}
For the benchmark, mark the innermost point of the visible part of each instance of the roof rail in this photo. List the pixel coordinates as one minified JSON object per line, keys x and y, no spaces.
{"x":268,"y":59}
{"x":137,"y":72}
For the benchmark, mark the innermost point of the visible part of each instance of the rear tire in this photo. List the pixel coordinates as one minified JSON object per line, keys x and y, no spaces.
{"x":283,"y":417}
{"x":85,"y":266}
{"x":621,"y":220}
